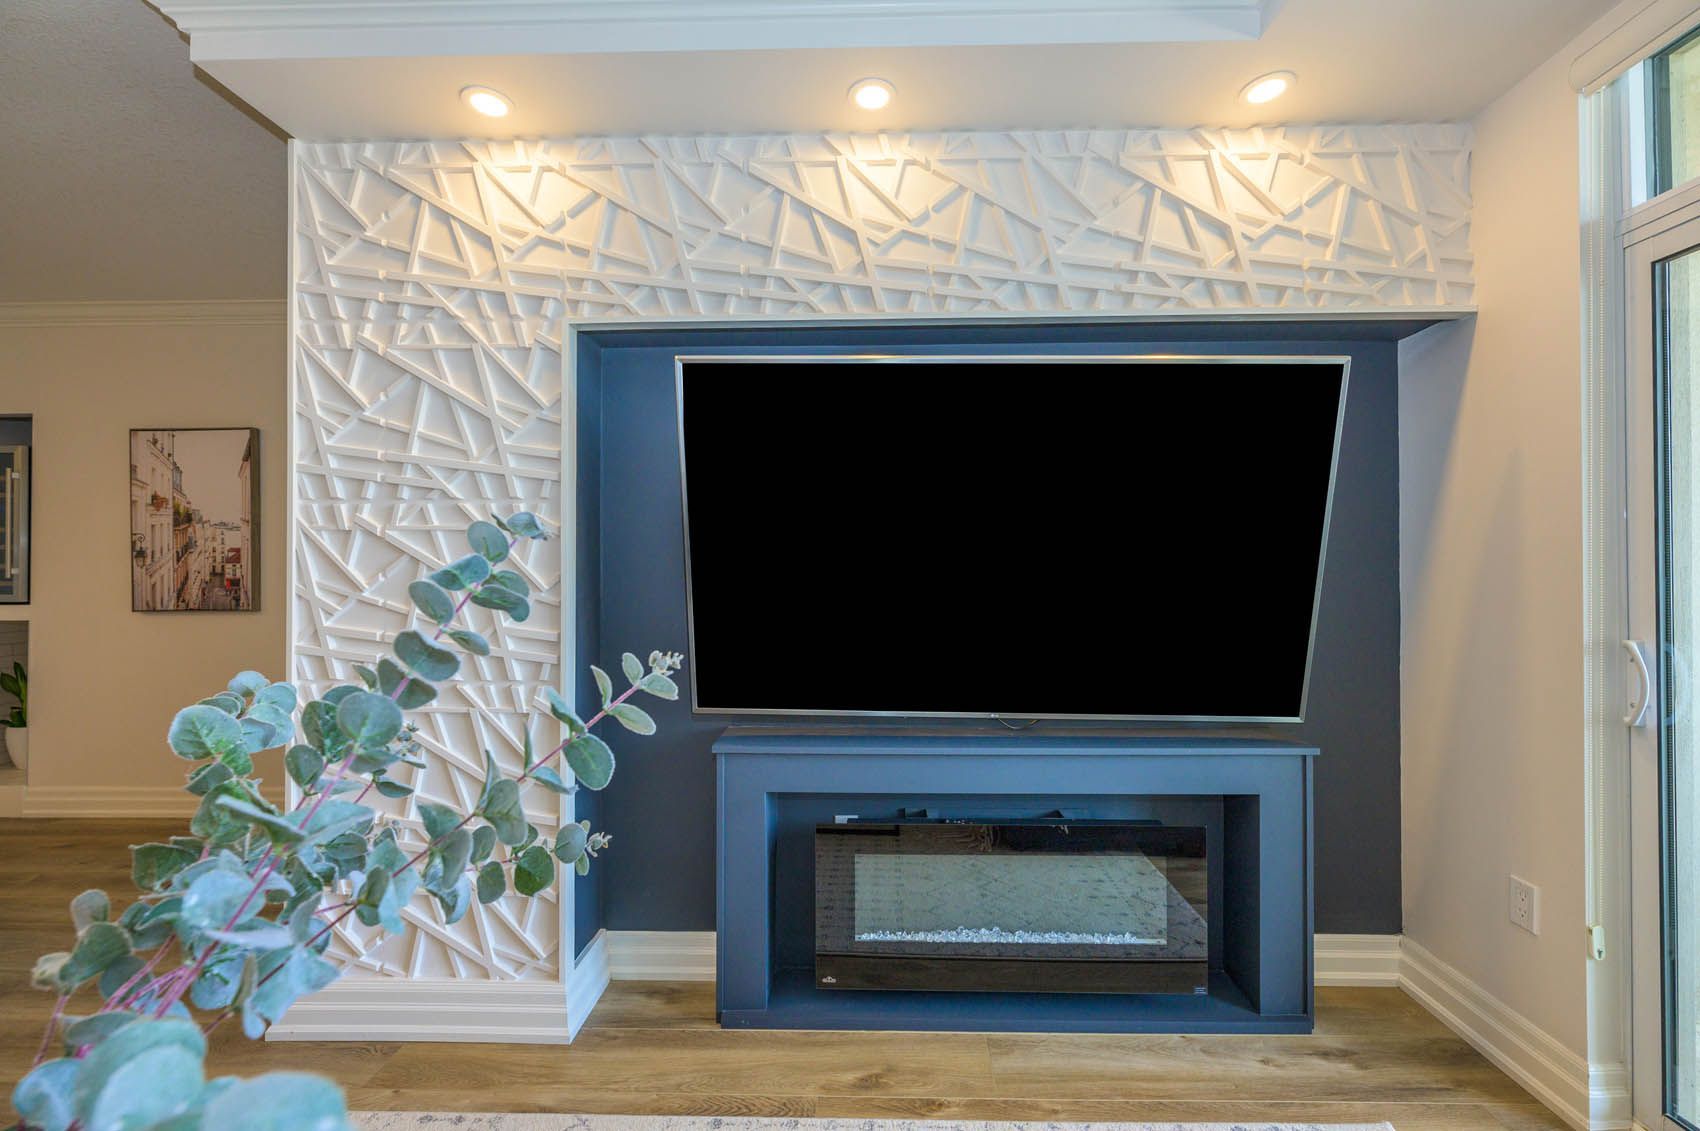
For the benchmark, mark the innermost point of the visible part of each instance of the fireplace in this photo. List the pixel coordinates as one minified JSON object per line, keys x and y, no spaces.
{"x":1050,"y":905}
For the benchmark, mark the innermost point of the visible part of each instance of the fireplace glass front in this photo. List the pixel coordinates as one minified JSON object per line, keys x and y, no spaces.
{"x":1054,"y":906}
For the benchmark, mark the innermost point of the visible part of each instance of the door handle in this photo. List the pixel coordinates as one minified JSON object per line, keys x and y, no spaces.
{"x":1639,"y":700}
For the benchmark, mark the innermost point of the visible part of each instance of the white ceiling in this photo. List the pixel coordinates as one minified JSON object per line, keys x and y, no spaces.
{"x":127,"y":176}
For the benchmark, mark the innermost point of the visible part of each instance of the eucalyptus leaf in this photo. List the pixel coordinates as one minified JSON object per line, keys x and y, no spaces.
{"x":439,"y":820}
{"x":225,"y":701}
{"x":456,"y":900}
{"x":466,"y":572}
{"x":369,"y":719}
{"x":590,"y":760}
{"x":408,"y":691}
{"x":284,"y":976}
{"x":204,"y":732}
{"x":658,"y":685}
{"x":534,"y":870}
{"x":278,"y":829}
{"x":367,"y":676}
{"x":469,"y":640}
{"x":86,"y":1032}
{"x":278,"y":1101}
{"x":503,"y":600}
{"x":98,"y":946}
{"x":389,"y":788}
{"x":483,"y":843}
{"x":563,"y":713}
{"x":432,"y":600}
{"x":423,"y":658}
{"x":91,"y":906}
{"x":248,"y":684}
{"x":219,"y":900}
{"x":603,"y":684}
{"x":632,"y":666}
{"x":492,"y":882}
{"x":487,"y":541}
{"x":503,"y":810}
{"x":508,"y":579}
{"x":633,"y":718}
{"x":525,"y":524}
{"x":207,"y":776}
{"x":141,"y":1075}
{"x":279,"y":695}
{"x":43,"y":1098}
{"x":550,"y":779}
{"x":304,"y":765}
{"x":570,"y":842}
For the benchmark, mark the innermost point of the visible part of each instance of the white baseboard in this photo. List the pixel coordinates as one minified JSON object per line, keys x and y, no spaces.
{"x":139,"y":802}
{"x":590,"y":977}
{"x":688,"y":956}
{"x":385,"y":1009}
{"x":661,"y":956}
{"x":1588,"y":1097}
{"x":1357,"y":960}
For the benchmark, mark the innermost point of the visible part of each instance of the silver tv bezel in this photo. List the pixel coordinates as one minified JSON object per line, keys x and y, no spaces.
{"x":1342,"y":361}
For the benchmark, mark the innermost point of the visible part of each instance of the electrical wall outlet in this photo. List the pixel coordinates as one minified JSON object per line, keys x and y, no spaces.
{"x":1525,"y":905}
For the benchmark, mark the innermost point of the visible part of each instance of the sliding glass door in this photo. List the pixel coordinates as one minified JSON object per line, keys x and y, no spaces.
{"x":1664,"y":660}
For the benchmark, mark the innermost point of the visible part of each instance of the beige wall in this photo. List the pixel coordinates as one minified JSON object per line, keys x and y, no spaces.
{"x":105,"y":681}
{"x":1491,"y":570}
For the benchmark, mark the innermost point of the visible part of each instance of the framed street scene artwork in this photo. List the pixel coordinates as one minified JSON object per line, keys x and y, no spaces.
{"x":194,"y":519}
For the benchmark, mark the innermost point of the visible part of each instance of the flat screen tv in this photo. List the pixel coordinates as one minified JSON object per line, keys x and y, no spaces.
{"x":1137,"y":538}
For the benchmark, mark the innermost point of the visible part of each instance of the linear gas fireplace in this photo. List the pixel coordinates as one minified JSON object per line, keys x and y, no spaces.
{"x":1052,"y":906}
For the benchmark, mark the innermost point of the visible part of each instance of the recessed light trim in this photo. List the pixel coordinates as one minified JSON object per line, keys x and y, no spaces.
{"x":872,"y":94}
{"x":485,"y":101}
{"x":1267,"y":88}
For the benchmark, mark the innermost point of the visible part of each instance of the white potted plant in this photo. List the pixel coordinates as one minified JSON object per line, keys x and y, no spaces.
{"x":16,"y":683}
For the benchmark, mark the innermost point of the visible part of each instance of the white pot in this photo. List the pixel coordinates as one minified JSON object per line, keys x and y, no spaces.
{"x":18,"y":746}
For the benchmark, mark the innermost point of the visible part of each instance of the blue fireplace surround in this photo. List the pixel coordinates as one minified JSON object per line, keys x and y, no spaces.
{"x":1253,"y":797}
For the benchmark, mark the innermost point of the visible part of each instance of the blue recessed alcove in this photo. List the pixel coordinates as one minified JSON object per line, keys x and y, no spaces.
{"x":631,"y":595}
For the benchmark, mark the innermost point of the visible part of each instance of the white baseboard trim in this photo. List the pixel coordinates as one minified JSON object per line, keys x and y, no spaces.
{"x":688,"y":956}
{"x":1357,"y":960}
{"x":661,"y":956}
{"x":227,"y":312}
{"x":1588,"y":1097}
{"x":373,"y":1009}
{"x":140,"y":802}
{"x":590,"y":978}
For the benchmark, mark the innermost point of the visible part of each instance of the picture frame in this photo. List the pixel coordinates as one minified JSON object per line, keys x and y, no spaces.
{"x":194,"y":519}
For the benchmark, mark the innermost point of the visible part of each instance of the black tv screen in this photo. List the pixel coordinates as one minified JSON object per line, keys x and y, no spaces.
{"x":1123,"y":538}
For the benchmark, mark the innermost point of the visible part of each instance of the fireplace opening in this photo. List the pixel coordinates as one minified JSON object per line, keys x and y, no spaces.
{"x":1048,"y":905}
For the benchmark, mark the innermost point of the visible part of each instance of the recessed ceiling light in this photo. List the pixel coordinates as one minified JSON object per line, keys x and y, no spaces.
{"x":1267,"y":88}
{"x":872,"y":94}
{"x":490,"y":103}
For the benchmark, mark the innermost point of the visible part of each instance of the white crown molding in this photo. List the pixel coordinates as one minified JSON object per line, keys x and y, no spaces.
{"x":1622,"y":37}
{"x":211,"y":312}
{"x":263,"y":29}
{"x":387,"y":1009}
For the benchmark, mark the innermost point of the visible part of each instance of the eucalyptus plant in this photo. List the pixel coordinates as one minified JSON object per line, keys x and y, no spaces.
{"x":233,"y":920}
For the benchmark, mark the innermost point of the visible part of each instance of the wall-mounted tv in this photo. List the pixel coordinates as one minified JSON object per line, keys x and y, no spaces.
{"x":1021,"y":537}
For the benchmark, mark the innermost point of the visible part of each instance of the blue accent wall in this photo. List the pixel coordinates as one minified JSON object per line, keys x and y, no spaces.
{"x":659,"y":873}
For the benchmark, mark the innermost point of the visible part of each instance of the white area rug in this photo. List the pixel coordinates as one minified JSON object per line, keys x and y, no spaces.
{"x":469,"y":1121}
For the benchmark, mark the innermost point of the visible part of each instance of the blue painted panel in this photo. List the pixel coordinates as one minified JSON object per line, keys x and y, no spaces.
{"x":660,"y":807}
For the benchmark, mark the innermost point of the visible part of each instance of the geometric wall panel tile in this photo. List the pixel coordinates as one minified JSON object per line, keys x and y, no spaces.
{"x":432,"y":282}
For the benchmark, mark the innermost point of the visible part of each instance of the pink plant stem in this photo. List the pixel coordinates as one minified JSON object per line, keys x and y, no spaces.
{"x":122,"y":994}
{"x":179,"y":986}
{"x":52,"y":1024}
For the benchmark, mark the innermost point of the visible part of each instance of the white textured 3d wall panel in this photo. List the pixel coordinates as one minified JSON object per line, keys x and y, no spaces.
{"x":432,"y":281}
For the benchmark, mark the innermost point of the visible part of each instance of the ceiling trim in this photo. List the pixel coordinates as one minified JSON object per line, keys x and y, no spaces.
{"x":211,"y":312}
{"x":266,"y":29}
{"x":1622,"y":39}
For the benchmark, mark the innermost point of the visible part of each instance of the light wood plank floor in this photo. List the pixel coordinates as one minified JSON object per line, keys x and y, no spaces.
{"x":653,"y":1048}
